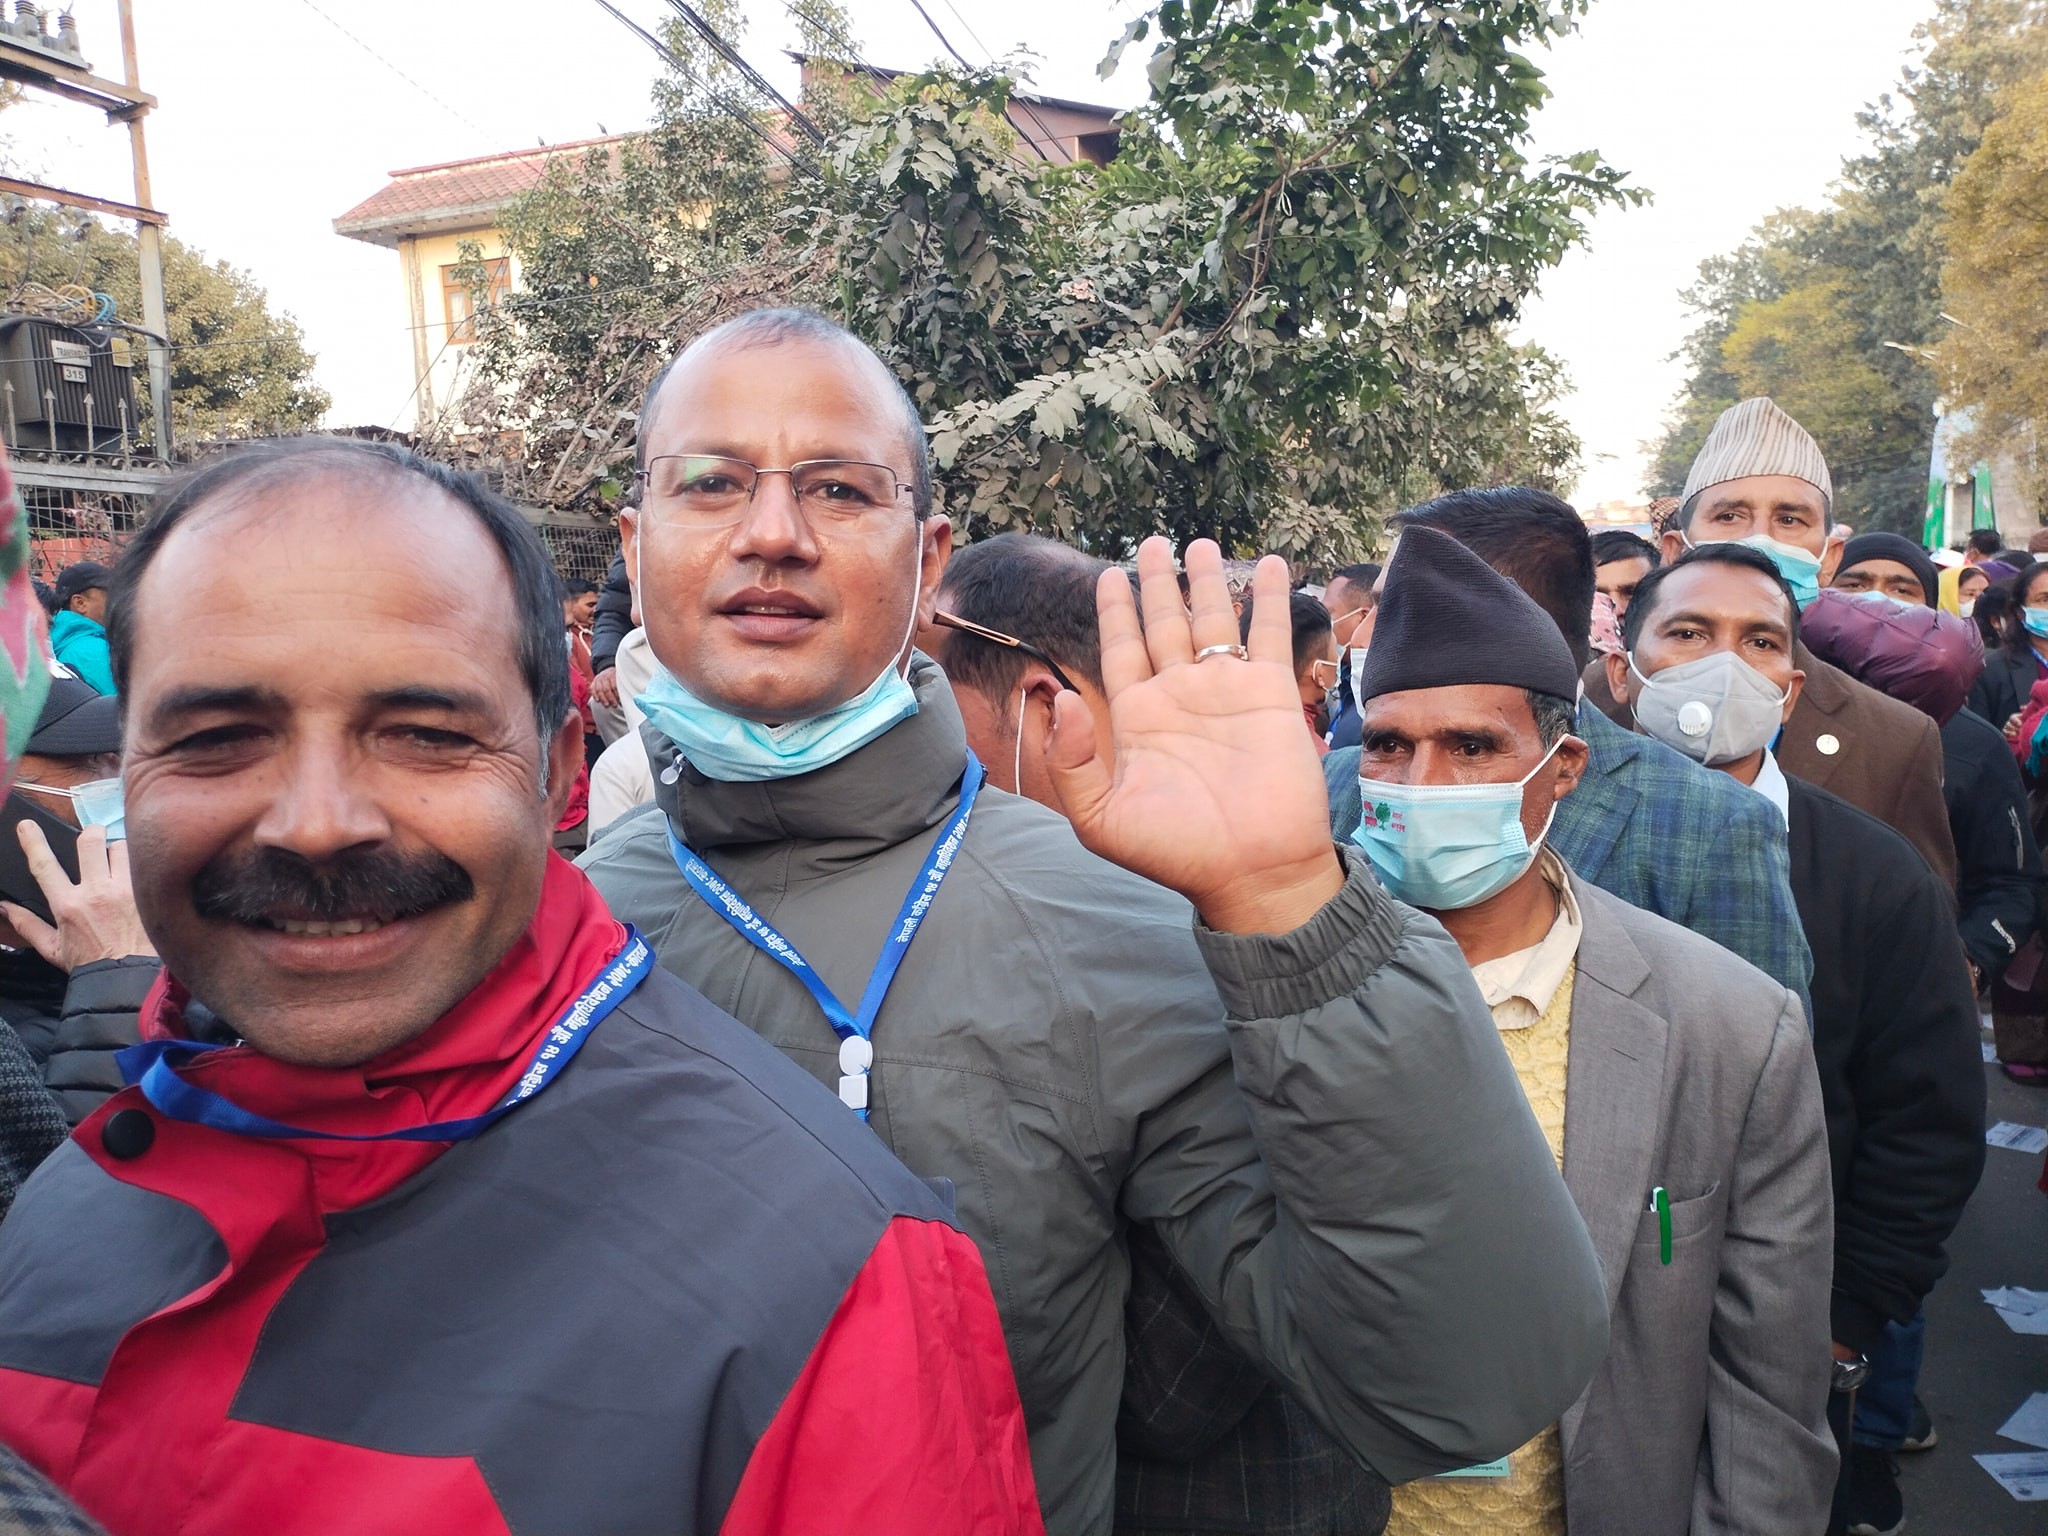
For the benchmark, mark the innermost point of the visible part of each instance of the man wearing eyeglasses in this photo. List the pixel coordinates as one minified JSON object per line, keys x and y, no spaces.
{"x":1373,"y":1214}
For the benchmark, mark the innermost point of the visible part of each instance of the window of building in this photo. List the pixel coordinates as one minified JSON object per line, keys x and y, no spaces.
{"x":458,"y":298}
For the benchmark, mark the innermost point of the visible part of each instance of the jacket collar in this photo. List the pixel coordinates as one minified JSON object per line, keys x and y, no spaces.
{"x":1827,"y":687}
{"x":1598,"y":818}
{"x":1614,"y":1092}
{"x":896,"y":787}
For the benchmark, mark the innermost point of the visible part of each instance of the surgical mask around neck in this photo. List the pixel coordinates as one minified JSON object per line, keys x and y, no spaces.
{"x":1716,"y":709}
{"x":2035,"y":622}
{"x":1444,"y":847}
{"x":98,"y":803}
{"x":735,"y":750}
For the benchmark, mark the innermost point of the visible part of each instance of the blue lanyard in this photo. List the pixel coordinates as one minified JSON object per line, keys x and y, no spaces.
{"x":854,"y":1028}
{"x":154,"y":1065}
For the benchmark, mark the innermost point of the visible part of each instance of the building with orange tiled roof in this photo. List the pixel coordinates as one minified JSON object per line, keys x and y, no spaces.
{"x":426,"y":213}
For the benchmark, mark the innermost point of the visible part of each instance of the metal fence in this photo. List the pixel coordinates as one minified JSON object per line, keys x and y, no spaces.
{"x":581,"y":551}
{"x":66,"y":526}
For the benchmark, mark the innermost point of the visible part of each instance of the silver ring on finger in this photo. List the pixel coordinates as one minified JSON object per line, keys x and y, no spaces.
{"x":1221,"y":650}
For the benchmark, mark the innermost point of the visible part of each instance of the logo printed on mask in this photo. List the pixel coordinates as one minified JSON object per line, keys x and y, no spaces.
{"x":1442,"y":847}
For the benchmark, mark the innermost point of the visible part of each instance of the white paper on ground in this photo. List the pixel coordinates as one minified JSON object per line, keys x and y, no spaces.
{"x":2029,"y":1422}
{"x":2023,"y":1474}
{"x":1990,"y":1051}
{"x":2023,"y":1311}
{"x":2015,"y":1137}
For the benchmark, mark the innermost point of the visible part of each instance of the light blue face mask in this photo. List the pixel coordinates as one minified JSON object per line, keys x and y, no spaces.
{"x":2036,"y":621}
{"x":1799,"y":567}
{"x":1442,"y":847}
{"x":95,"y":804}
{"x":735,"y":750}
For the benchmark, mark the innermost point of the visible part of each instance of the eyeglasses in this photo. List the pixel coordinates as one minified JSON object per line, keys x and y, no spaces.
{"x":997,"y":637}
{"x":708,"y":491}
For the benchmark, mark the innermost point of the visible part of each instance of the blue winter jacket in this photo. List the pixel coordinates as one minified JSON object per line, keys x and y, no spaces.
{"x":81,"y":644}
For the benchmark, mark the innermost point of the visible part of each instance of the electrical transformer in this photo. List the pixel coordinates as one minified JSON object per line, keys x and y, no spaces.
{"x":67,"y":388}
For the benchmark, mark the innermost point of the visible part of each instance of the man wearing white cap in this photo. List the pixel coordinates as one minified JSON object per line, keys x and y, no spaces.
{"x":1761,"y":480}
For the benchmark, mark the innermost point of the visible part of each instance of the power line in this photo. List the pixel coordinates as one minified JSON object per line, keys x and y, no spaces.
{"x":1029,"y":110}
{"x":944,"y":42}
{"x":738,"y":113}
{"x":968,"y":27}
{"x":1018,"y":97}
{"x":408,"y":79}
{"x":748,"y":73}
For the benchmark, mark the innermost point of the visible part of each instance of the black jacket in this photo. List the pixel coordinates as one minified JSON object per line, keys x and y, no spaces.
{"x":31,"y":1124}
{"x":1347,"y":721}
{"x":72,"y":1026}
{"x":1895,"y":1037}
{"x":1998,"y":865}
{"x":614,"y":619}
{"x":2001,"y":689}
{"x":1207,"y":1442}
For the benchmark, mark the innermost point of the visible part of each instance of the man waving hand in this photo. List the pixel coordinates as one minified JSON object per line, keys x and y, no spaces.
{"x":1334,"y":1151}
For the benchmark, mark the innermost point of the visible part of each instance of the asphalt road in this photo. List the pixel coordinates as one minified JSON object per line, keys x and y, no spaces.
{"x":1977,"y":1371}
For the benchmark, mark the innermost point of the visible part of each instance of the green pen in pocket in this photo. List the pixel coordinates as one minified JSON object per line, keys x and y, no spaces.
{"x":1660,"y":1202}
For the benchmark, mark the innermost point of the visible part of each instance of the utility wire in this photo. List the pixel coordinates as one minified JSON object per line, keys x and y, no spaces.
{"x":968,"y":27}
{"x":748,"y":73}
{"x":408,"y":79}
{"x":1018,"y":97}
{"x":738,"y":113}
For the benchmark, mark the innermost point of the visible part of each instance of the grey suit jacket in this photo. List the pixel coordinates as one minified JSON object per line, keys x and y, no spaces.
{"x":1691,"y":1069}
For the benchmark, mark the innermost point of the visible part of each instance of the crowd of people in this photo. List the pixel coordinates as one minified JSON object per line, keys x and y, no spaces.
{"x":1485,"y":1040}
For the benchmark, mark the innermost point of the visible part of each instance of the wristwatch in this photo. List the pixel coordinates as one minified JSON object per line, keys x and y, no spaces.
{"x":1849,"y":1374}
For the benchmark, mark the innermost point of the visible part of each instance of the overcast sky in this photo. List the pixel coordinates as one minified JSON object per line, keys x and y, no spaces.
{"x":273,"y":121}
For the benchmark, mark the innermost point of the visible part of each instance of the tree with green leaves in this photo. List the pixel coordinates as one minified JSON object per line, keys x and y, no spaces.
{"x":1996,"y":288}
{"x":1834,"y":313}
{"x":237,"y":367}
{"x":1278,"y":314}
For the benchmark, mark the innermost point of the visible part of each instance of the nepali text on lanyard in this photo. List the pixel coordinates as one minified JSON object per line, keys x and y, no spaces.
{"x":855,"y":1028}
{"x":153,"y":1064}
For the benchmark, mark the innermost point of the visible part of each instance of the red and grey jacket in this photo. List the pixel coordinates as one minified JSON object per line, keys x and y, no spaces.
{"x":680,"y":1290}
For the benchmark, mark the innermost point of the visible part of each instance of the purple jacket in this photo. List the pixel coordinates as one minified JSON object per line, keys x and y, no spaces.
{"x":1919,"y":656}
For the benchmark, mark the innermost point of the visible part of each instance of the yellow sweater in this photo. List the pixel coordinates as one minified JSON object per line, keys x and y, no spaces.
{"x":1529,"y":1501}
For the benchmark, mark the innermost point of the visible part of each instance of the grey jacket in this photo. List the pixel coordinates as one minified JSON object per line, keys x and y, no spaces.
{"x":1336,"y":1151}
{"x":1690,"y":1069}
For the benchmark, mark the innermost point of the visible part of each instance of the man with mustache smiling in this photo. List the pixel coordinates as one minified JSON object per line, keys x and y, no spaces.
{"x":438,"y":1206}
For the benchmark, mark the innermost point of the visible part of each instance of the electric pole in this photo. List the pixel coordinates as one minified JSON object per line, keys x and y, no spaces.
{"x":149,"y":246}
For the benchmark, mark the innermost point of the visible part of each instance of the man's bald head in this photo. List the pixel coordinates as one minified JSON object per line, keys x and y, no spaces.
{"x":797,"y":327}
